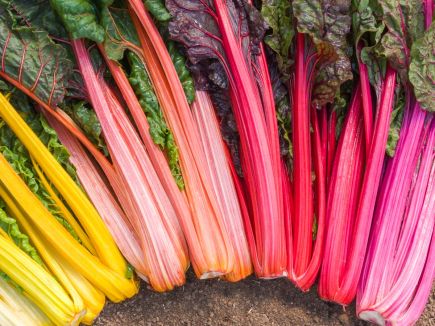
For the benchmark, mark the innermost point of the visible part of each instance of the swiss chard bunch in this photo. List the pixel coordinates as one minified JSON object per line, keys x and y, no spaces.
{"x":222,"y":41}
{"x":396,"y":280}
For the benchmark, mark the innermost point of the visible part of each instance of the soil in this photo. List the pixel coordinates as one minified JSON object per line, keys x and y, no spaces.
{"x":250,"y":302}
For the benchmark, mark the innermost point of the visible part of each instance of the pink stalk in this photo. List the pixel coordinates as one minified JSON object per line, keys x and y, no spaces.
{"x":343,"y":198}
{"x":416,"y":308}
{"x":178,"y":200}
{"x":428,"y":9}
{"x":101,"y":196}
{"x":396,"y":268}
{"x":222,"y":183}
{"x":149,"y":209}
{"x":215,"y":241}
{"x":391,"y":205}
{"x":345,"y":290}
{"x":407,"y":257}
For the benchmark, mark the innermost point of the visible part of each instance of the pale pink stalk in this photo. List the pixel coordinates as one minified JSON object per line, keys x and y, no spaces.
{"x":101,"y":196}
{"x":391,"y":206}
{"x":148,"y":208}
{"x":158,"y":159}
{"x":416,"y":308}
{"x":222,"y":183}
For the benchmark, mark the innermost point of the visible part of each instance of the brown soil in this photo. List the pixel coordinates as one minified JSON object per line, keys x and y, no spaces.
{"x":250,"y":302}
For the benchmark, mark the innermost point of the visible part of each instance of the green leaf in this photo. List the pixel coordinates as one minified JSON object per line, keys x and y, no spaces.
{"x":367,"y":25}
{"x":328,"y":24}
{"x":396,"y":123}
{"x":158,"y":10}
{"x":32,"y":59}
{"x":120,"y":33}
{"x":87,"y":120}
{"x":10,"y":226}
{"x":277,"y":14}
{"x":40,"y":16}
{"x":405,"y":23}
{"x":80,"y":18}
{"x":159,"y":131}
{"x":422,"y":69}
{"x":183,"y":73}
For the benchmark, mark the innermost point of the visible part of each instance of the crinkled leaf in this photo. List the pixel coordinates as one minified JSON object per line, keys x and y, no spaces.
{"x":405,"y":23}
{"x":277,"y":14}
{"x":159,"y":130}
{"x":87,"y":120}
{"x":183,"y":73}
{"x":195,"y":26}
{"x":80,"y":18}
{"x":10,"y":226}
{"x":422,"y":69}
{"x":328,"y":24}
{"x":158,"y":10}
{"x":364,"y":20}
{"x":283,"y":115}
{"x":38,"y":14}
{"x":31,"y":58}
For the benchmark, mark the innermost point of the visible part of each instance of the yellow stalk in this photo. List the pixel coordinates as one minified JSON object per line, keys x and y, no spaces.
{"x":79,"y":203}
{"x":66,"y":214}
{"x":112,"y":283}
{"x":21,"y":310}
{"x":39,"y":286}
{"x":82,"y":293}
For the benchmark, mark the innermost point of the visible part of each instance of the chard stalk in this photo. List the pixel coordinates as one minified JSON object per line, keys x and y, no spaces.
{"x":214,"y":240}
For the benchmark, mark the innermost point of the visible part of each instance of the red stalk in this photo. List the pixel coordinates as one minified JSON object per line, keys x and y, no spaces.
{"x":260,"y":156}
{"x":343,"y":195}
{"x":307,"y":279}
{"x":352,"y":271}
{"x":303,"y":193}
